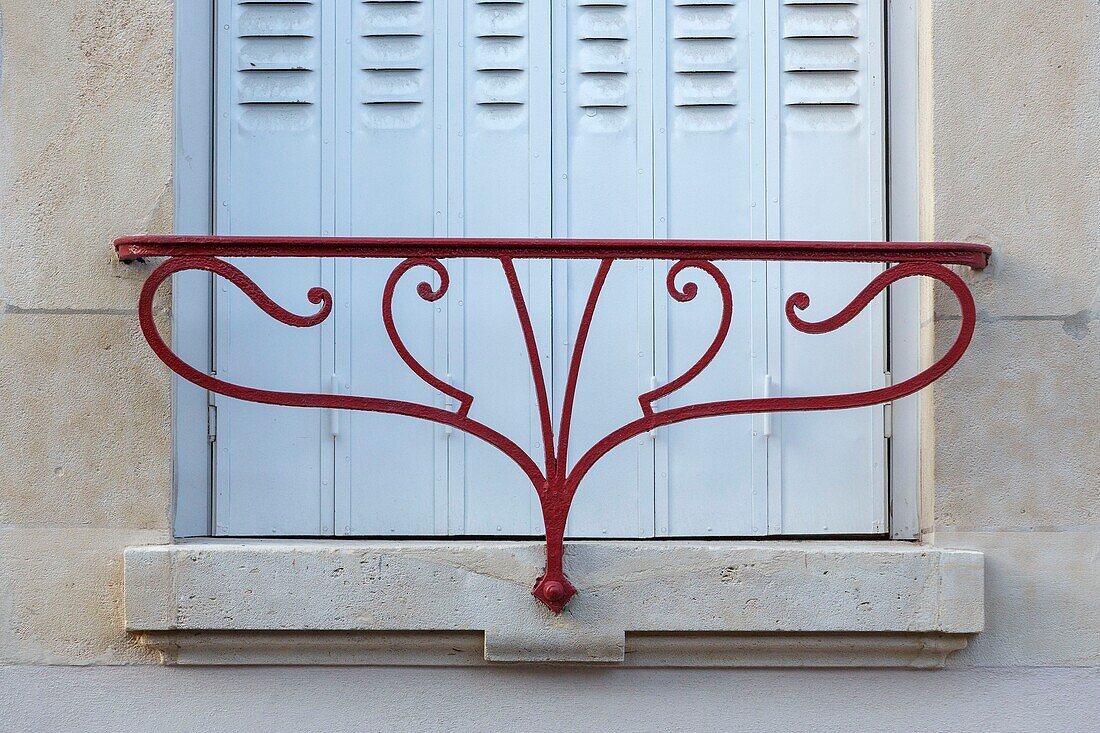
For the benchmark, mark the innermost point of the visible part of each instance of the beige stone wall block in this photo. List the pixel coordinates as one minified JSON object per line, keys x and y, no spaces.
{"x":85,"y":146}
{"x":1017,"y":149}
{"x":1016,"y":145}
{"x":85,"y":423}
{"x":1040,"y":598}
{"x":1017,"y":439}
{"x":61,"y":595}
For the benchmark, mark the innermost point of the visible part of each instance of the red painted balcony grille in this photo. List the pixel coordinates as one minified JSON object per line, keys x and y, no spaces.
{"x":554,"y":485}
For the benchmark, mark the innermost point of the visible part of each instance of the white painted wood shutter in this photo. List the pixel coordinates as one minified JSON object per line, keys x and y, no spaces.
{"x":392,"y":137}
{"x":711,"y":478}
{"x":616,"y":118}
{"x":274,"y":161}
{"x":826,"y":181}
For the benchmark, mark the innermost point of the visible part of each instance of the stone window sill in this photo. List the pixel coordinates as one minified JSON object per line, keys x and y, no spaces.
{"x":675,"y":603}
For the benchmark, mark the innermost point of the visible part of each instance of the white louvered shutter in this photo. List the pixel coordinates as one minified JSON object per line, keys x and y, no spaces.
{"x":603,"y":187}
{"x":392,"y":102}
{"x":449,"y":136}
{"x":590,"y":118}
{"x":500,"y":87}
{"x":826,"y":181}
{"x":274,"y":176}
{"x":710,"y":475}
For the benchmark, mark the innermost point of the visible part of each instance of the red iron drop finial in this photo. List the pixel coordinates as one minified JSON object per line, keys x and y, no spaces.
{"x":554,"y":593}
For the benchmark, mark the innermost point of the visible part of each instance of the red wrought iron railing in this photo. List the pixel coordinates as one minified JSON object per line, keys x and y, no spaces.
{"x":551,"y":478}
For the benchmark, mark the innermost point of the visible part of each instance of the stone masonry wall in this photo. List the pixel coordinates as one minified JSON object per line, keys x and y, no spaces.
{"x":1012,"y":120}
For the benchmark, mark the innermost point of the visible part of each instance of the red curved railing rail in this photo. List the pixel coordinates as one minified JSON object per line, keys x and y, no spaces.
{"x":553,"y":482}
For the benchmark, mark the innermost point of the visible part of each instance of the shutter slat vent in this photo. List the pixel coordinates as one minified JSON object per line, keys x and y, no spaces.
{"x":394,"y":54}
{"x":500,"y":57}
{"x":277,"y":55}
{"x":704,"y":64}
{"x":821,"y":55}
{"x":603,"y":61}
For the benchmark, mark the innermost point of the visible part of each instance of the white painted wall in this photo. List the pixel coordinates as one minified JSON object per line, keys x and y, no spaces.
{"x":424,"y":700}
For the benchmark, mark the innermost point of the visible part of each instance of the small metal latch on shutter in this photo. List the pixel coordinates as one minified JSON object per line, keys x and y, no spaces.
{"x":888,"y":411}
{"x":211,"y":418}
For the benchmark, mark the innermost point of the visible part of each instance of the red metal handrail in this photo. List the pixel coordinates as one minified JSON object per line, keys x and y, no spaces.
{"x":555,"y":483}
{"x":975,"y":256}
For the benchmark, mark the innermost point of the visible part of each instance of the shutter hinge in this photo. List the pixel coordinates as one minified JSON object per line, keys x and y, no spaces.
{"x":888,"y":411}
{"x":211,"y":422}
